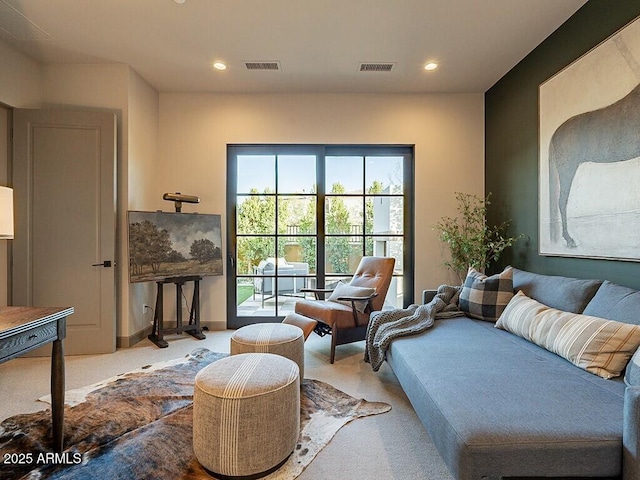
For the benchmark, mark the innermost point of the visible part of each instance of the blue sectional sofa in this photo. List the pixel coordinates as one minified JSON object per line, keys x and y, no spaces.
{"x":497,"y":405}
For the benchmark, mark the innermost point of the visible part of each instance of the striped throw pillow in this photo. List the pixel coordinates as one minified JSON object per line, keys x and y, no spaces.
{"x":599,"y":346}
{"x":485,"y":297}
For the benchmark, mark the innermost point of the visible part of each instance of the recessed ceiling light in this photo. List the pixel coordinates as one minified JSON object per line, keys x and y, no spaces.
{"x":180,"y":2}
{"x":219,"y":66}
{"x":431,"y":66}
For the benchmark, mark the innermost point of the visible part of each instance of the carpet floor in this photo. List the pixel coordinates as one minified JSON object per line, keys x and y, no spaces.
{"x":139,"y":425}
{"x":390,"y":446}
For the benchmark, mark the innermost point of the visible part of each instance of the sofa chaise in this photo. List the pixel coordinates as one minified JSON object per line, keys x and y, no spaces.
{"x":498,"y":405}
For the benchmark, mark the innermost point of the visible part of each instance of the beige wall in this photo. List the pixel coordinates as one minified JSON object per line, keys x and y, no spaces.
{"x":112,"y":87}
{"x":119,"y":89}
{"x":20,"y":86}
{"x":103,"y":87}
{"x":142,"y":174}
{"x":447,"y":131}
{"x":20,"y":79}
{"x":177,"y":142}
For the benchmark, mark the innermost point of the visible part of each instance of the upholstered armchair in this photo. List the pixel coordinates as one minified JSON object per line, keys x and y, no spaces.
{"x":345,"y":313}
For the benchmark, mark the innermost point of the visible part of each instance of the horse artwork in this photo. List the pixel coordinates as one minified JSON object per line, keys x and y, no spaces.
{"x":590,"y":153}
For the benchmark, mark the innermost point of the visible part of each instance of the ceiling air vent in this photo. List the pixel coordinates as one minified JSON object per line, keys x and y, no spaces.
{"x":270,"y":66}
{"x":376,"y":67}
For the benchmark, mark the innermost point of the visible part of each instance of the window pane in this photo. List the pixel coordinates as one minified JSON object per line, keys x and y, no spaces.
{"x":344,"y":174}
{"x":296,"y":174}
{"x":384,"y":175}
{"x":395,"y":294}
{"x":385,"y":214}
{"x":387,"y":247}
{"x":343,"y":215}
{"x":291,"y":280}
{"x":265,"y":305}
{"x":245,"y":296}
{"x":251,"y":251}
{"x":342,"y":254}
{"x":299,"y":250}
{"x":255,"y":214}
{"x":278,"y":222}
{"x":256,"y":174}
{"x":296,"y":215}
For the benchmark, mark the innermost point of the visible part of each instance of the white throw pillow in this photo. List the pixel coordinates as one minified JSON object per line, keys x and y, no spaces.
{"x":344,"y":290}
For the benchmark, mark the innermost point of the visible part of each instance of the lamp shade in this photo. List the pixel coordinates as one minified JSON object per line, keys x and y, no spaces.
{"x":6,"y":213}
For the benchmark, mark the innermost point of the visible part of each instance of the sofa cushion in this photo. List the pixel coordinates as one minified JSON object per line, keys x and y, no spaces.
{"x":599,"y":346}
{"x":632,"y":372}
{"x":485,"y":297}
{"x":344,"y":290}
{"x":615,"y":302}
{"x":563,"y":293}
{"x":540,"y":415}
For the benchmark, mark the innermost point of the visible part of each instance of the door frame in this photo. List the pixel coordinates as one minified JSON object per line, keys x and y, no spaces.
{"x":320,"y":150}
{"x":5,"y":179}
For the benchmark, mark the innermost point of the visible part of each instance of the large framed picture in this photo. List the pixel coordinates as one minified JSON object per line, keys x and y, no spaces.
{"x":589,"y":153}
{"x":167,"y":245}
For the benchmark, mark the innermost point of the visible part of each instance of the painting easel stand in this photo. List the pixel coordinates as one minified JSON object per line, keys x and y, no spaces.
{"x":193,"y":328}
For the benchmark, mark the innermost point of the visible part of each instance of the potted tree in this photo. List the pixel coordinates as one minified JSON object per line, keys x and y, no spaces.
{"x":472,"y":243}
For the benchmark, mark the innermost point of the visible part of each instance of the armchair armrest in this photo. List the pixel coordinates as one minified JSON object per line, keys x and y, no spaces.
{"x":631,"y":434}
{"x":428,"y":295}
{"x":353,"y":301}
{"x":316,"y":291}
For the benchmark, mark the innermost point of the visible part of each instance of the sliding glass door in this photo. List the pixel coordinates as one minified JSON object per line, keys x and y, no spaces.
{"x":303,"y":216}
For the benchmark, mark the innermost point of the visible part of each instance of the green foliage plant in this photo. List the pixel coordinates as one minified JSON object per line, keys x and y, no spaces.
{"x":471,"y":242}
{"x":256,"y":224}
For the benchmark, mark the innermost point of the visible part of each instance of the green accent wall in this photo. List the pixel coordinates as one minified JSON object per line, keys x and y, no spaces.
{"x":511,"y":148}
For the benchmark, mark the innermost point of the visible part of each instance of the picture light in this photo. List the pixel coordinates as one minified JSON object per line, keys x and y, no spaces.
{"x":178,"y":198}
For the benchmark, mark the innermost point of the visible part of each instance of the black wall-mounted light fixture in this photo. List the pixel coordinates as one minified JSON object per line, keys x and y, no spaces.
{"x":178,"y":198}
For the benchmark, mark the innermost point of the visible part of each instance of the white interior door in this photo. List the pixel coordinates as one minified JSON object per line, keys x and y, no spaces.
{"x":64,"y":245}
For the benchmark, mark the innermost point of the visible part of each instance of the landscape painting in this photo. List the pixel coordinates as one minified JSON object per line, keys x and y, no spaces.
{"x":167,"y":245}
{"x":589,"y":153}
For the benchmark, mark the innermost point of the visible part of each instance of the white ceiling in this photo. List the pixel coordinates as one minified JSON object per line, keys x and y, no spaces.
{"x":319,"y":43}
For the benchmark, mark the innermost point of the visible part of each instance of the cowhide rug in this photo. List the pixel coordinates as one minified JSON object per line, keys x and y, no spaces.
{"x":138,"y":425}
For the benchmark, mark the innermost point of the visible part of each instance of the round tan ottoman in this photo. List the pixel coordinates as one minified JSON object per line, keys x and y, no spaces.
{"x":278,"y":338}
{"x":246,"y":414}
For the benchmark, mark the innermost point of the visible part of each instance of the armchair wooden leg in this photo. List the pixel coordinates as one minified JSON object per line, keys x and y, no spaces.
{"x":334,"y":336}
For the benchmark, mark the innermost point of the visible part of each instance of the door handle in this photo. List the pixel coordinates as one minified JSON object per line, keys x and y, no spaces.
{"x":106,"y":264}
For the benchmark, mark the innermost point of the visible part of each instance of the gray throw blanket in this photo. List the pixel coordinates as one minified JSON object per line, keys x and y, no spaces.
{"x":386,"y":325}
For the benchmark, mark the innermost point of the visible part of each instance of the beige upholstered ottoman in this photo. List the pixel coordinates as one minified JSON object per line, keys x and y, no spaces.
{"x":278,"y":338}
{"x":246,"y":414}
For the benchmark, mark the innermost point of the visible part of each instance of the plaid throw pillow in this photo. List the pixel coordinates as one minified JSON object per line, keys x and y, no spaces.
{"x":485,"y":298}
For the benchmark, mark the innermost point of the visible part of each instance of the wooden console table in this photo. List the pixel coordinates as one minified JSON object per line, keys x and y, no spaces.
{"x":193,"y":328}
{"x":23,"y":329}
